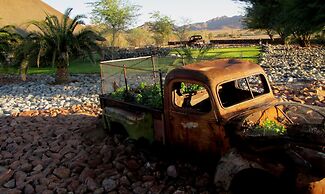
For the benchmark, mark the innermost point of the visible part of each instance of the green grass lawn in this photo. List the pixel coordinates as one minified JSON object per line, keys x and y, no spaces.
{"x":84,"y":66}
{"x":246,"y":53}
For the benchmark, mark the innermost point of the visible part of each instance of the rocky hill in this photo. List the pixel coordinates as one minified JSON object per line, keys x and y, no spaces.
{"x":219,"y":23}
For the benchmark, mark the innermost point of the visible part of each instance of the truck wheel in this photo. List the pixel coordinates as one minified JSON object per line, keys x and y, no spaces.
{"x":256,"y":181}
{"x":117,"y":129}
{"x":142,"y":142}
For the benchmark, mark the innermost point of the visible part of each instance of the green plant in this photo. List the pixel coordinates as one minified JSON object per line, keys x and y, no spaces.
{"x":190,"y":55}
{"x":269,"y":127}
{"x":151,"y":96}
{"x":148,"y":95}
{"x":190,"y":88}
{"x":118,"y":94}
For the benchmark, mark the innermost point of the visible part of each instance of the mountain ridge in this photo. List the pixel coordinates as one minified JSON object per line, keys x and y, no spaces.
{"x":218,"y":23}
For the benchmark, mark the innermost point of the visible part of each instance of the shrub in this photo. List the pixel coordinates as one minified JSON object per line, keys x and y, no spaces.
{"x":148,"y":95}
{"x":269,"y":127}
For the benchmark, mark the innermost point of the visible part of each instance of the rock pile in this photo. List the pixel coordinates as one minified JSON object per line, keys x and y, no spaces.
{"x":64,"y":150}
{"x":123,"y":53}
{"x":39,"y":94}
{"x":292,"y":64}
{"x":310,"y":94}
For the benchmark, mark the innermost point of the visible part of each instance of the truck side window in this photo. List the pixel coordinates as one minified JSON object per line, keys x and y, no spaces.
{"x":191,"y":96}
{"x":237,"y":91}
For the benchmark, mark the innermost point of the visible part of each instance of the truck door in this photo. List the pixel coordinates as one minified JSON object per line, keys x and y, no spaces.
{"x":192,"y":122}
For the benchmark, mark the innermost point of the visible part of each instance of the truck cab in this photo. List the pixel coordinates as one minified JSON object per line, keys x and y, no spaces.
{"x":196,"y":119}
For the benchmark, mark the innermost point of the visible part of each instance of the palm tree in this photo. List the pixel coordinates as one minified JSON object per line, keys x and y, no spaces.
{"x":60,"y":40}
{"x":28,"y":52}
{"x":8,"y":40}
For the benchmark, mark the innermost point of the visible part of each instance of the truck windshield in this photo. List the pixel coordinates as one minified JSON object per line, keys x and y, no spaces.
{"x":241,"y":90}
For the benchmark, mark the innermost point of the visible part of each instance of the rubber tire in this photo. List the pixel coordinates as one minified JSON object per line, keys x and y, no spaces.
{"x":256,"y":181}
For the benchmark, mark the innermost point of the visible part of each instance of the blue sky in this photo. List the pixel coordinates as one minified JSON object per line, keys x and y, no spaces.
{"x":194,"y":10}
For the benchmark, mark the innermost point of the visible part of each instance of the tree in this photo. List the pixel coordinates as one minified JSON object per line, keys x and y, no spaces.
{"x":265,"y":15}
{"x":4,"y":44}
{"x":260,"y":17}
{"x":182,"y":31}
{"x":138,"y":37}
{"x":59,"y":40}
{"x":118,"y":15}
{"x":210,"y":36}
{"x":304,"y":17}
{"x":28,"y":52}
{"x":162,"y":27}
{"x":8,"y":41}
{"x":300,"y":18}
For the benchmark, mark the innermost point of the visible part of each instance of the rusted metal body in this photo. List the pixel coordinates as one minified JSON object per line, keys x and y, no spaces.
{"x":215,"y":117}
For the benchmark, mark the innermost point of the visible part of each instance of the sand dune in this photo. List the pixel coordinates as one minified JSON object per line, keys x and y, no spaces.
{"x":20,"y":12}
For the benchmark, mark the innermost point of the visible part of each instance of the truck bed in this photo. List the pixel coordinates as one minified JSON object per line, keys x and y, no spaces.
{"x":106,"y":101}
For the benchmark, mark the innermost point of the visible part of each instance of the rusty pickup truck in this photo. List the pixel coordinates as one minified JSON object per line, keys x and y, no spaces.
{"x":226,"y":108}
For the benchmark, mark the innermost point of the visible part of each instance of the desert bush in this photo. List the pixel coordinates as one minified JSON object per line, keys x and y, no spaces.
{"x":139,"y":37}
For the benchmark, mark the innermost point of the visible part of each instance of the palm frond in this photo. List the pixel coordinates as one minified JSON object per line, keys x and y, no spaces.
{"x":65,"y":20}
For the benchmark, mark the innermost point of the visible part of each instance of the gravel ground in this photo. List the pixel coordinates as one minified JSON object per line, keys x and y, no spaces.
{"x":65,"y":150}
{"x":38,"y":94}
{"x":293,"y":64}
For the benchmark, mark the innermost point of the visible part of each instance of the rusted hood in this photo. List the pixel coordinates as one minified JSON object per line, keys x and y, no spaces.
{"x":241,"y":114}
